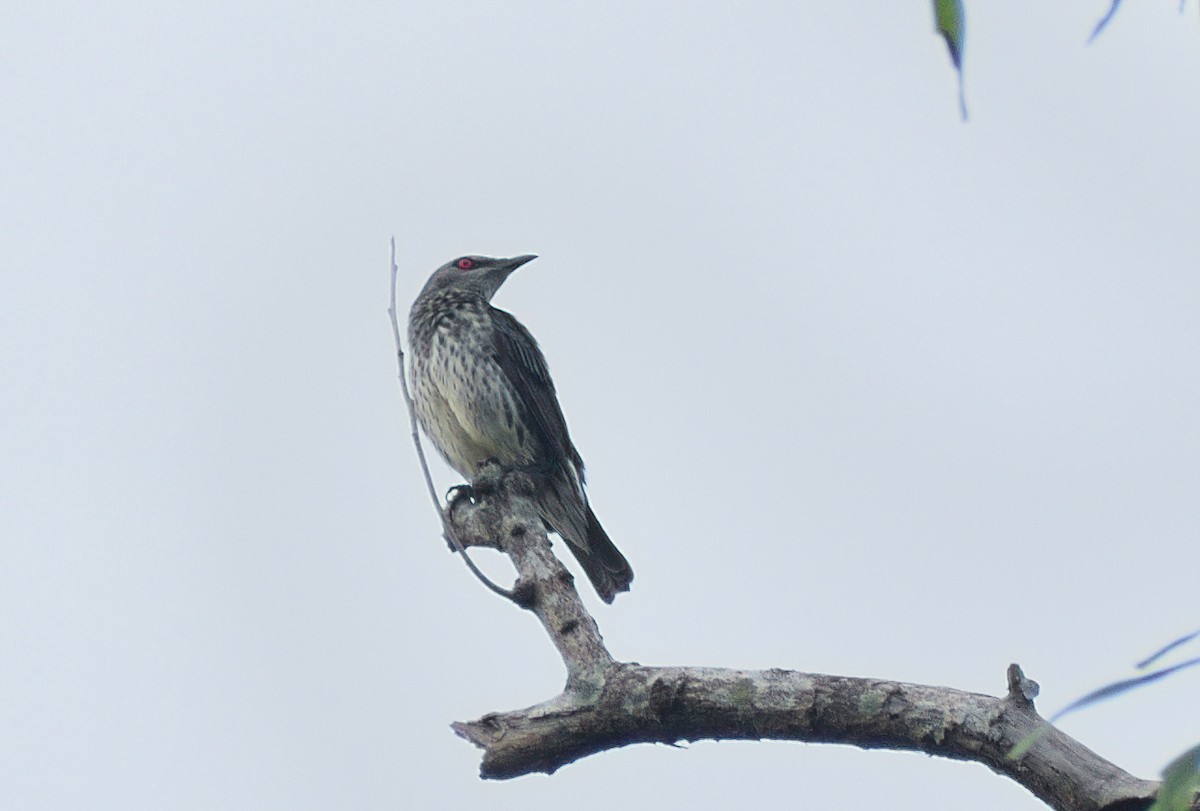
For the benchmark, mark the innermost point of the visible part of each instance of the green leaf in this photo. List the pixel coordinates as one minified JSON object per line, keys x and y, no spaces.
{"x":1181,"y":779}
{"x":1116,"y":4}
{"x":951,"y":24}
{"x":949,"y":14}
{"x":1163,"y":651}
{"x":1122,"y":686}
{"x":1115,"y":689}
{"x":1026,"y":743}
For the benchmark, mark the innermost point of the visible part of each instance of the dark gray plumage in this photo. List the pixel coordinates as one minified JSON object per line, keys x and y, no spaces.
{"x":483,"y":392}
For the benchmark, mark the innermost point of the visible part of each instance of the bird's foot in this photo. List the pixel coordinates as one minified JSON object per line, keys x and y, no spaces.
{"x":492,"y":476}
{"x":457,"y":496}
{"x":488,"y":478}
{"x":459,"y":493}
{"x":484,"y":483}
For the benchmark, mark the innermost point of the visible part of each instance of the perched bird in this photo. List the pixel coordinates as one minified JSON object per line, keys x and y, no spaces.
{"x":483,"y":393}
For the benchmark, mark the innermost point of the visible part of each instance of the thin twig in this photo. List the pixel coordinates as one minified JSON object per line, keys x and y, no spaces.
{"x":447,"y":528}
{"x":1104,"y":21}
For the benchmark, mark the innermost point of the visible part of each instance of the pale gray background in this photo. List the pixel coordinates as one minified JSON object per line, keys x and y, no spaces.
{"x":862,"y":389}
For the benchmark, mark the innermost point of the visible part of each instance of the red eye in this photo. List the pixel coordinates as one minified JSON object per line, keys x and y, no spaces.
{"x":465,"y":263}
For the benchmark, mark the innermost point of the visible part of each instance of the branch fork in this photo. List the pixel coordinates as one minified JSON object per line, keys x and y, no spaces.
{"x":606,"y":704}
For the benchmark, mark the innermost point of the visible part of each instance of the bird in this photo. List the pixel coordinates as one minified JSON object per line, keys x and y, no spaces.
{"x":483,"y":393}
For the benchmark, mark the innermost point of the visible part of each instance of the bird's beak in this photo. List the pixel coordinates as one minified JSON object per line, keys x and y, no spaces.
{"x":514,"y":263}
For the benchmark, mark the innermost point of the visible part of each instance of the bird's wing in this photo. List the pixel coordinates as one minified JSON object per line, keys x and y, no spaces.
{"x":525,"y":367}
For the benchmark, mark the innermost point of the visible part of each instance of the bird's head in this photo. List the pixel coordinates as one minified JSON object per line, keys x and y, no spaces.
{"x":480,"y":274}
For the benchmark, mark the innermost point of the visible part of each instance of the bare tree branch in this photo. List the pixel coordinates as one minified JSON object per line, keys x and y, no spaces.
{"x":509,"y":521}
{"x":607,"y":704}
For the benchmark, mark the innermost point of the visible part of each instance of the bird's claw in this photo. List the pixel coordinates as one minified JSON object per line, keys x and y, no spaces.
{"x":459,"y":493}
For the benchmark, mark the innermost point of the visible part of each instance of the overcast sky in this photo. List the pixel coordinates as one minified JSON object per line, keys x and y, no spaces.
{"x":862,"y":389}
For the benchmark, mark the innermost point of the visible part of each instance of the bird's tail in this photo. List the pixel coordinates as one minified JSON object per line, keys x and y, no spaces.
{"x":572,"y":518}
{"x":603,"y":563}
